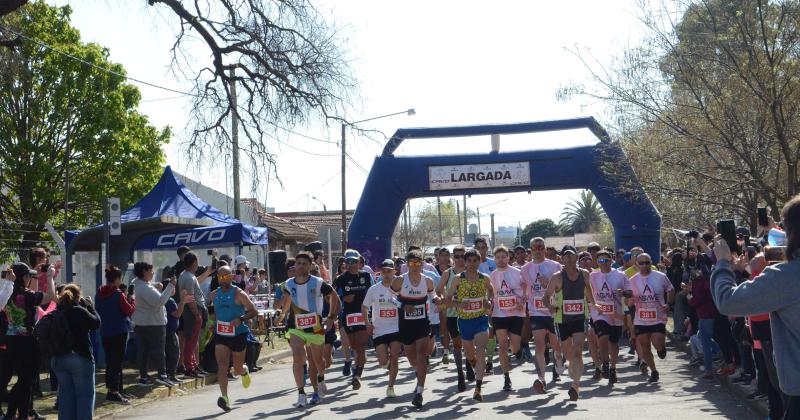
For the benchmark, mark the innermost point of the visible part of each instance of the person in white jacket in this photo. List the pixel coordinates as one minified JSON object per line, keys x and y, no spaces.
{"x":150,"y":321}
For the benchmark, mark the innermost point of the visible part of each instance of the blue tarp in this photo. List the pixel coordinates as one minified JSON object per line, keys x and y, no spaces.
{"x":170,"y":197}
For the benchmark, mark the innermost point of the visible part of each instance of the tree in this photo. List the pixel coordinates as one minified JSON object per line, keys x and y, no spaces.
{"x":423,"y":229}
{"x":47,"y":99}
{"x":583,"y":215}
{"x":541,"y":228}
{"x":707,"y":107}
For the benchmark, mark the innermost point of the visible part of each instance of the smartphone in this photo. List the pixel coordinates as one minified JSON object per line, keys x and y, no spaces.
{"x":727,"y":229}
{"x":762,"y":216}
{"x":747,"y":241}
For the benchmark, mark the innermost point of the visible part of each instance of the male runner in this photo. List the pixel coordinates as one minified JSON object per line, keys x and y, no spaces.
{"x":486,"y":267}
{"x":302,"y":307}
{"x":443,"y":264}
{"x":585,"y":261}
{"x":383,"y":325}
{"x":413,"y":290}
{"x":471,"y":292}
{"x":649,"y":288}
{"x":536,"y":275}
{"x":571,"y":312}
{"x":508,"y":309}
{"x":520,"y":256}
{"x":608,"y":288}
{"x":352,"y":286}
{"x":448,"y":278}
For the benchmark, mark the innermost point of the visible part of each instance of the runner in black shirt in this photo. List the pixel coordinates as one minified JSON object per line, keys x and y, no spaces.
{"x":352,"y":286}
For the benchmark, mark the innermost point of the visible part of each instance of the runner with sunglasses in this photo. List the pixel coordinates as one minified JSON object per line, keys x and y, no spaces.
{"x":649,"y":288}
{"x":536,"y":276}
{"x":508,"y":309}
{"x":608,"y":287}
{"x":448,"y":278}
{"x":352,"y":286}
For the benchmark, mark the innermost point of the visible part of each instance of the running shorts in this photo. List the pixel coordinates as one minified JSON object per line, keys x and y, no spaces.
{"x":543,"y":323}
{"x":411,"y":331}
{"x":386,"y":339}
{"x":308,"y":338}
{"x":566,"y":329}
{"x":603,"y":329}
{"x":512,"y":324}
{"x":469,"y":328}
{"x":237,"y":343}
{"x":650,"y":329}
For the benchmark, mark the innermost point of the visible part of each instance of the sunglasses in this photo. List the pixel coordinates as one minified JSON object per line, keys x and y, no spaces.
{"x":414,"y":263}
{"x":458,"y":256}
{"x":351,"y":261}
{"x":645,"y":263}
{"x":224,"y":276}
{"x":603,"y":260}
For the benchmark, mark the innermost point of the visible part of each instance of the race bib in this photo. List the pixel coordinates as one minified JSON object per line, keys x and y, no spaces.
{"x":539,"y":304}
{"x":647,"y":314}
{"x":507,"y":302}
{"x":606,"y":308}
{"x":304,"y":321}
{"x":573,"y":307}
{"x":417,"y":313}
{"x":387,"y":313}
{"x":473,"y":305}
{"x":354,"y":320}
{"x":225,"y":329}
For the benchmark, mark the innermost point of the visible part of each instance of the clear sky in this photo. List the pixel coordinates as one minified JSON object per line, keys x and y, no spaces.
{"x":455,"y":62}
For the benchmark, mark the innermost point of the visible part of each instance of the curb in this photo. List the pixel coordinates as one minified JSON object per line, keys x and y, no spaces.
{"x":759,"y":407}
{"x":162,"y":392}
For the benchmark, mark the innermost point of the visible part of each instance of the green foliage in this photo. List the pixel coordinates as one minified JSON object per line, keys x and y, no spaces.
{"x":47,"y":98}
{"x":542,"y":228}
{"x":584,"y":215}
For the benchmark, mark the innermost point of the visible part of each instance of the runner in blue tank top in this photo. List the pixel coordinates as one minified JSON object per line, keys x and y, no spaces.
{"x":232,"y":308}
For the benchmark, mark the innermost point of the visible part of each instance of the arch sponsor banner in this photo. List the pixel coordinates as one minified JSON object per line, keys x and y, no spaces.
{"x":489,"y":175}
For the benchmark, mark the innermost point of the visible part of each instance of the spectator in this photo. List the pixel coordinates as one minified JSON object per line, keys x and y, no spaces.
{"x":115,"y":311}
{"x":675,"y":275}
{"x":193,"y":319}
{"x":16,"y":324}
{"x":319,"y":259}
{"x":75,"y":370}
{"x":150,"y":320}
{"x":699,"y":297}
{"x":262,"y":285}
{"x":172,"y":351}
{"x":777,"y":291}
{"x":178,"y":268}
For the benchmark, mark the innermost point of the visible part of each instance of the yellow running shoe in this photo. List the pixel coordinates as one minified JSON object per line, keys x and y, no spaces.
{"x":246,"y":379}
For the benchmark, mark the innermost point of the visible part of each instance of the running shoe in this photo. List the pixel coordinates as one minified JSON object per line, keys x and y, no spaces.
{"x":477,"y":395}
{"x":507,"y":384}
{"x":174,"y":379}
{"x":653,"y":377}
{"x":390,"y":392}
{"x":462,"y":385}
{"x":315,"y":399}
{"x":526,"y":353}
{"x":145,"y":382}
{"x":117,"y":398}
{"x":163,"y":380}
{"x":604,"y":372}
{"x":301,"y":401}
{"x":417,"y":401}
{"x":612,"y":376}
{"x":246,"y":379}
{"x":538,"y":386}
{"x":573,"y":394}
{"x":356,"y":383}
{"x":346,"y":368}
{"x":706,"y":376}
{"x":224,"y":403}
{"x":597,"y":374}
{"x":446,"y":359}
{"x":662,"y":354}
{"x":322,"y":389}
{"x":489,"y":368}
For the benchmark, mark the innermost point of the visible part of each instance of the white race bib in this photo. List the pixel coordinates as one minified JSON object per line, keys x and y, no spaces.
{"x":355,"y":320}
{"x":508,"y":302}
{"x":539,"y":304}
{"x":606,"y":308}
{"x":417,"y":313}
{"x":387,"y":313}
{"x":473,"y":306}
{"x":304,"y":321}
{"x":647,"y":314}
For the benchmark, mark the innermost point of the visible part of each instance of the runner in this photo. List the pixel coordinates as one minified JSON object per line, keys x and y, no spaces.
{"x":585,"y":261}
{"x":383,"y":326}
{"x":471,"y":292}
{"x":448,"y":277}
{"x":302,"y":306}
{"x":486,"y":267}
{"x":443,"y":264}
{"x":649,"y":288}
{"x":232,"y":309}
{"x":571,"y":312}
{"x":608,"y":288}
{"x":414,"y":289}
{"x":352,"y":286}
{"x":510,"y":295}
{"x":536,"y":276}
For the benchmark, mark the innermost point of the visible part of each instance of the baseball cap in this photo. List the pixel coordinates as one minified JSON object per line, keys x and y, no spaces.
{"x":583,"y":255}
{"x":742,"y":231}
{"x":569,"y":248}
{"x":241,"y":259}
{"x":387,"y":263}
{"x":626,"y":256}
{"x":519,"y":248}
{"x":351,"y":254}
{"x":605,"y":252}
{"x":593,"y":245}
{"x":21,"y":269}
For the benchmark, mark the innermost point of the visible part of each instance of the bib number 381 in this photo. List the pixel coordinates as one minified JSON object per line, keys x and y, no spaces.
{"x":647,"y":314}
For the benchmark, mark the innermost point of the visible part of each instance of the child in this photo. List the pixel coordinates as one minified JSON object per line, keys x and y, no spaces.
{"x":172,"y":351}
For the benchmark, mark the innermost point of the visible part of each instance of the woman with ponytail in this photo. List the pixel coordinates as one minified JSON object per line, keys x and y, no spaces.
{"x":75,"y":370}
{"x":115,"y":311}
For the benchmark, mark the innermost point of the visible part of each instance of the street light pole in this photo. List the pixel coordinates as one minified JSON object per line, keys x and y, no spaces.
{"x":324,"y":207}
{"x":409,"y":111}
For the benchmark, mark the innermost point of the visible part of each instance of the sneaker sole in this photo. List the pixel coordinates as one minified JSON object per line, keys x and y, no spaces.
{"x":538,"y":387}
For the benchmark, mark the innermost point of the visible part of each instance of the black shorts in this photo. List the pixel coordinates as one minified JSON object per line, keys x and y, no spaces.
{"x":330,"y":336}
{"x":543,"y":323}
{"x":435,"y":331}
{"x":512,"y":324}
{"x":411,"y":331}
{"x":452,"y":326}
{"x":650,"y":329}
{"x":386,"y":339}
{"x":603,"y":329}
{"x":237,"y":343}
{"x":350,"y":330}
{"x":566,"y":329}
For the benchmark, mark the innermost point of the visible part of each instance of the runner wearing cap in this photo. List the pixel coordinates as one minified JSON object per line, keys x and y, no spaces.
{"x":414,"y":289}
{"x":383,"y":325}
{"x":536,"y":276}
{"x":352,"y":286}
{"x":448,"y":278}
{"x":608,"y":288}
{"x":649,"y":288}
{"x":471,"y":292}
{"x":570,"y":312}
{"x":585,"y":261}
{"x":303,"y":295}
{"x":508,"y":309}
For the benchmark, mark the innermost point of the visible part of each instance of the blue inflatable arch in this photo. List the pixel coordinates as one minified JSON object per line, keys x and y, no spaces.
{"x":395,"y":179}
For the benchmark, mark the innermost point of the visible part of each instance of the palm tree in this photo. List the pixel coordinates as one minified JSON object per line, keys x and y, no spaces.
{"x":583,"y":215}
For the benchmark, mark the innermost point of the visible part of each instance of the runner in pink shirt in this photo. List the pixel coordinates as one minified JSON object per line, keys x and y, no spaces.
{"x":608,"y":288}
{"x":649,"y":288}
{"x":508,"y":309}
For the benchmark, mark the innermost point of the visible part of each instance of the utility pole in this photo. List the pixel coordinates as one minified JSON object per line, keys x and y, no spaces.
{"x":235,"y":148}
{"x":66,"y":173}
{"x":439,"y":210}
{"x":491,"y":217}
{"x":465,"y":218}
{"x":461,"y":233}
{"x":344,"y":199}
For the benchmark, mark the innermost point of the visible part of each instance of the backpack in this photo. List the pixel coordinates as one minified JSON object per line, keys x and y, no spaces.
{"x":54,"y":334}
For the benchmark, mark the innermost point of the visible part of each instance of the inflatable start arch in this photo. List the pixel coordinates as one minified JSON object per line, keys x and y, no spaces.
{"x":393,"y":180}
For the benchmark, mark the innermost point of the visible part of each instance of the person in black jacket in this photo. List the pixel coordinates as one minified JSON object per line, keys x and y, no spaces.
{"x":75,"y":370}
